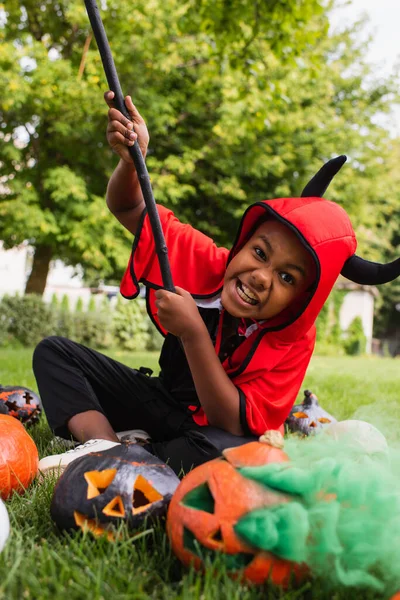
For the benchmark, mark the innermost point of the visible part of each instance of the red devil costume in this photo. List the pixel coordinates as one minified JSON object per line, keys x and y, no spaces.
{"x":266,"y":361}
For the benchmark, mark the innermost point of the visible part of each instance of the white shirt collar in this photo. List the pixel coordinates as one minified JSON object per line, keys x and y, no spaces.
{"x":215,"y":302}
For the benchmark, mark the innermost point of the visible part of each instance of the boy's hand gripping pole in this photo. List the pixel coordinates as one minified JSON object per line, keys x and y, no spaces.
{"x":140,"y":165}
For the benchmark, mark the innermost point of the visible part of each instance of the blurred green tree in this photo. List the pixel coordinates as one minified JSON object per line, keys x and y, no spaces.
{"x":387,"y":305}
{"x":244,"y":100}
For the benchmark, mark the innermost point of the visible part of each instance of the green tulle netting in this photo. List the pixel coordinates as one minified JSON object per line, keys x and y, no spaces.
{"x":343,"y":514}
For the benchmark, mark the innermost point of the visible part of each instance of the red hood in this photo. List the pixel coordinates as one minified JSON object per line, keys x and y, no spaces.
{"x":199,"y":266}
{"x":325,"y":230}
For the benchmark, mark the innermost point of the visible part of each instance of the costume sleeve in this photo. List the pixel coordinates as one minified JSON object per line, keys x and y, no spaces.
{"x":265,"y":401}
{"x":197,"y":264}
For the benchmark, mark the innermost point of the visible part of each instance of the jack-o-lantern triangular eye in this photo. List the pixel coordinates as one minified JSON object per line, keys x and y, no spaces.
{"x":200,"y":498}
{"x":98,"y":481}
{"x":144,"y":494}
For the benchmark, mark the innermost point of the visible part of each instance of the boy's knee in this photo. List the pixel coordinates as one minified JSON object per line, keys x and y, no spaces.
{"x":43,"y":350}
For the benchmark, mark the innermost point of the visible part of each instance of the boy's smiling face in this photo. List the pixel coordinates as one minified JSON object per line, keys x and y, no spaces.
{"x":270,"y":272}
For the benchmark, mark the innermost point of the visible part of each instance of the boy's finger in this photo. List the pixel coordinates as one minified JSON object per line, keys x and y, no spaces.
{"x":133,"y":111}
{"x":109,"y":98}
{"x":119,"y":138}
{"x":163,"y":294}
{"x":181,"y":292}
{"x":116,"y":126}
{"x":116,"y":115}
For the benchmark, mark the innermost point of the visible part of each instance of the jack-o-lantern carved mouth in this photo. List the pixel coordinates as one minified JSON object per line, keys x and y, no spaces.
{"x":91,"y":525}
{"x":232,"y":562}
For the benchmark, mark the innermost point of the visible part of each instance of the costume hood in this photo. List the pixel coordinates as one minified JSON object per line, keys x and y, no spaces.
{"x":324,"y":229}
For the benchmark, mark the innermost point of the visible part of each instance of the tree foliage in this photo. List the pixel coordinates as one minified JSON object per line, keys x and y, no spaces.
{"x":243,"y":100}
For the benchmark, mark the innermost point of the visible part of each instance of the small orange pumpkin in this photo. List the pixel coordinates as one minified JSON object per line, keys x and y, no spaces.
{"x":19,"y":457}
{"x":209,"y":502}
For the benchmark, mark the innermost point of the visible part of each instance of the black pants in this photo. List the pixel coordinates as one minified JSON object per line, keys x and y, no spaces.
{"x":73,"y":379}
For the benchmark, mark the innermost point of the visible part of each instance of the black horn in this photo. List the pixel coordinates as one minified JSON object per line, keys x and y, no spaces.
{"x":356,"y":269}
{"x":317,"y":186}
{"x":366,"y":272}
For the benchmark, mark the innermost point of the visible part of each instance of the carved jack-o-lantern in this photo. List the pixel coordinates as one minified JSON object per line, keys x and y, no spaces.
{"x":308,"y":418}
{"x":124,"y":483}
{"x":20,"y":403}
{"x":209,"y":503}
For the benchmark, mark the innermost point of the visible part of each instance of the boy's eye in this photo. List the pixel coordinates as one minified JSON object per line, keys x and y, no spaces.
{"x":287,"y":278}
{"x":260,"y":253}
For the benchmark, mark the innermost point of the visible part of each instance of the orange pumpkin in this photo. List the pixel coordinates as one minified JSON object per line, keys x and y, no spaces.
{"x":207,"y":505}
{"x":18,"y":457}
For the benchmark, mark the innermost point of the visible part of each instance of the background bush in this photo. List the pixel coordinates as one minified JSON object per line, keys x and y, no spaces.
{"x":331,"y":340}
{"x":131,"y":327}
{"x":354,"y":338}
{"x":26,"y":320}
{"x":93,"y":329}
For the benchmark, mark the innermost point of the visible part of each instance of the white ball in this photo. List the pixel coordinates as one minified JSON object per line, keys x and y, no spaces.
{"x":4,"y":525}
{"x":360,"y":434}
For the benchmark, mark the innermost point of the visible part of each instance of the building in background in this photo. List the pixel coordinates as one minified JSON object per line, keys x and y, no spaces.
{"x":62,"y":280}
{"x":358,"y":302}
{"x":13,"y":269}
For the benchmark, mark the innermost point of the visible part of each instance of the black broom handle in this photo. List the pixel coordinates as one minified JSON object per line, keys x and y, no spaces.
{"x":140,"y":165}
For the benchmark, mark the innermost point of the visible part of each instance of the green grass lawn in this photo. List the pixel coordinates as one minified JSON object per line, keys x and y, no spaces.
{"x":39,"y":563}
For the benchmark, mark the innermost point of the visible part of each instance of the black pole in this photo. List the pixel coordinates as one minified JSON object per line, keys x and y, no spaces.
{"x":140,"y":165}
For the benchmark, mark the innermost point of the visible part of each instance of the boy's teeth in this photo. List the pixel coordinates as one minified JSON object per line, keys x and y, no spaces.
{"x":246,"y":294}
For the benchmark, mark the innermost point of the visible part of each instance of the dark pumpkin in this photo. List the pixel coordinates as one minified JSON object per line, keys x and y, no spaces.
{"x":125,"y":483}
{"x":211,"y":500}
{"x":308,"y":418}
{"x":21,"y":403}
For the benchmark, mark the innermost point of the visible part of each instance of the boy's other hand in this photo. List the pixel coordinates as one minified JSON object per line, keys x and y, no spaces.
{"x":178,"y":313}
{"x":122,"y":133}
